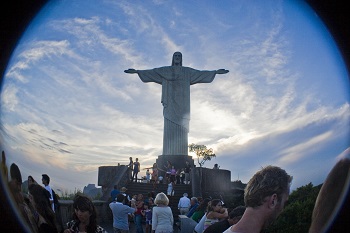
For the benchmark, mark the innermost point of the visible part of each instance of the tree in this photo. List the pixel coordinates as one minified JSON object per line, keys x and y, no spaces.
{"x":296,"y":216}
{"x":203,"y":153}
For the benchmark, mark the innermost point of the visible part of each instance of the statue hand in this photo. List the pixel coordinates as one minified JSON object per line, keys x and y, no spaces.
{"x":130,"y":71}
{"x":222,"y":71}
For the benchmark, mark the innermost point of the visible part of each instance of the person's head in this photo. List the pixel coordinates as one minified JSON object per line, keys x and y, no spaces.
{"x":177,"y":59}
{"x":15,"y":174}
{"x":185,"y":195}
{"x":123,"y":189}
{"x":31,"y":181}
{"x":140,"y":197}
{"x":115,"y":186}
{"x":161,"y":199}
{"x":203,"y":205}
{"x":150,"y":201}
{"x":84,"y":211}
{"x":40,"y":197}
{"x":194,"y":200}
{"x":130,"y":158}
{"x":236,"y":214}
{"x":40,"y":200}
{"x":45,"y":179}
{"x":120,"y":198}
{"x":215,"y":205}
{"x":146,"y":205}
{"x":270,"y":186}
{"x":137,"y":159}
{"x":331,"y":206}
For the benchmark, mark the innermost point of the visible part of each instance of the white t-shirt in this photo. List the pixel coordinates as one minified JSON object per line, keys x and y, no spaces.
{"x":48,"y":188}
{"x":200,"y":225}
{"x":229,"y":230}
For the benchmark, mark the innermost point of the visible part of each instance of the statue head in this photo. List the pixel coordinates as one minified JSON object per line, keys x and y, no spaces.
{"x":177,"y":59}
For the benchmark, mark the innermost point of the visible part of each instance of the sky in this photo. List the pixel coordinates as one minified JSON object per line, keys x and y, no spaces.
{"x":67,"y":107}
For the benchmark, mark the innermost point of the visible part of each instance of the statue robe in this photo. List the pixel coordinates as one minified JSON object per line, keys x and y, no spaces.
{"x":176,"y":81}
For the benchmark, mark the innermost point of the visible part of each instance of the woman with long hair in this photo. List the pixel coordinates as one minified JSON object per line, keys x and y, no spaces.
{"x":45,"y":217}
{"x":215,"y":212}
{"x":162,"y":216}
{"x":201,"y":209}
{"x":84,"y":216}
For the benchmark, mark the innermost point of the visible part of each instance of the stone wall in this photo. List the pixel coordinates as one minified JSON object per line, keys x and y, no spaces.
{"x":210,"y":182}
{"x":108,"y":176}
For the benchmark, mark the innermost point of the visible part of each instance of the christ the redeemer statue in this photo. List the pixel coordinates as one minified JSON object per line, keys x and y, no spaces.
{"x":176,"y":80}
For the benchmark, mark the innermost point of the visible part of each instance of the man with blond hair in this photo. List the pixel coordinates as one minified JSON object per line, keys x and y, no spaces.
{"x":265,"y":196}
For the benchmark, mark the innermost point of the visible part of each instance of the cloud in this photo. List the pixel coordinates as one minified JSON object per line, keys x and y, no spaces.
{"x":9,"y":98}
{"x":295,"y":153}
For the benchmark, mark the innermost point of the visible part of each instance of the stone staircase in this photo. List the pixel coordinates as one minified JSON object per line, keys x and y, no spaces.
{"x":145,"y":189}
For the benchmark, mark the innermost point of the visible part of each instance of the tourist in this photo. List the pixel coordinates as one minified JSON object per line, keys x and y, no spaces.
{"x":114,"y":193}
{"x":172,"y":174}
{"x":147,"y":213}
{"x":148,"y":176}
{"x":121,"y":214}
{"x":193,"y":207}
{"x":187,"y":172}
{"x":162,"y":216}
{"x":40,"y":199}
{"x":170,"y":190}
{"x":160,"y":179}
{"x":168,"y":170}
{"x":216,"y":166}
{"x":138,"y":213}
{"x":46,"y":182}
{"x":31,"y":181}
{"x":182,"y":176}
{"x":215,"y":213}
{"x":178,"y":176}
{"x":136,"y":170}
{"x":201,"y":209}
{"x":84,"y":216}
{"x":184,"y":204}
{"x":331,"y":210}
{"x":131,"y":168}
{"x":4,"y":169}
{"x":233,"y":217}
{"x":264,"y":196}
{"x":26,"y":209}
{"x":127,"y":197}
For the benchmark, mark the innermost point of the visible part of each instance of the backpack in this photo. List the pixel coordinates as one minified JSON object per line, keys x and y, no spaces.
{"x":55,"y":200}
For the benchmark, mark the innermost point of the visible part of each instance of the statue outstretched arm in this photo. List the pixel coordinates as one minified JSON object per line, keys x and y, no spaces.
{"x":222,"y":71}
{"x":130,"y":71}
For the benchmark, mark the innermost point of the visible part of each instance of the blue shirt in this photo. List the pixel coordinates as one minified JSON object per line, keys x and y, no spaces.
{"x":120,"y":215}
{"x":192,"y":210}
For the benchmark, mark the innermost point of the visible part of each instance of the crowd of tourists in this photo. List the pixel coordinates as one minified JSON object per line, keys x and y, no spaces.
{"x":265,"y":196}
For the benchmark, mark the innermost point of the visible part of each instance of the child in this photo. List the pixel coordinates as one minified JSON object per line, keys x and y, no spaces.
{"x":148,"y":176}
{"x":147,"y":212}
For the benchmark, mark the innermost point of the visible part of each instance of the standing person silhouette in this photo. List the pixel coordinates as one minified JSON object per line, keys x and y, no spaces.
{"x":136,"y":170}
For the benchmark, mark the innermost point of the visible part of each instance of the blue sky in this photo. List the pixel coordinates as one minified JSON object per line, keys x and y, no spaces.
{"x":67,"y":107}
